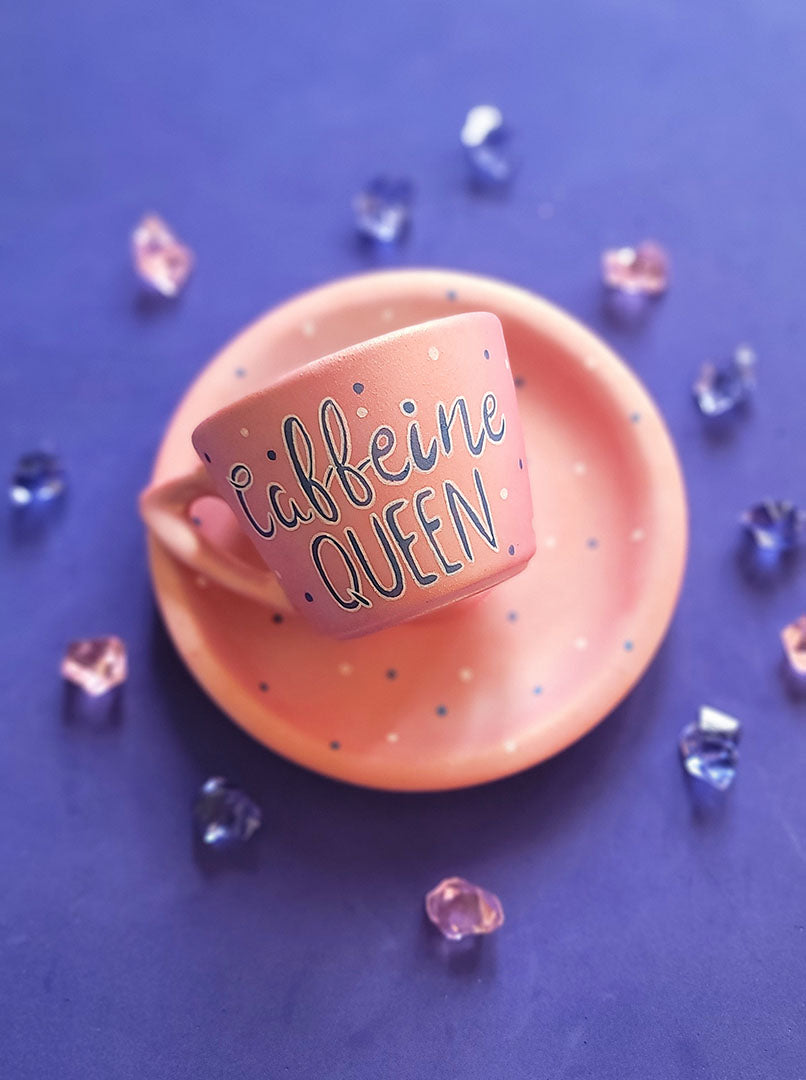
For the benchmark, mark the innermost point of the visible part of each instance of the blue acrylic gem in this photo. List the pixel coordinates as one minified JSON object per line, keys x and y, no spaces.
{"x":38,"y":477}
{"x":383,"y":208}
{"x":775,"y":525}
{"x":486,"y":140}
{"x":721,"y":389}
{"x":710,"y":748}
{"x":225,"y":816}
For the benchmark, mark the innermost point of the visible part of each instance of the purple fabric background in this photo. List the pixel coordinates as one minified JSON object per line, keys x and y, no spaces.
{"x":647,"y":935}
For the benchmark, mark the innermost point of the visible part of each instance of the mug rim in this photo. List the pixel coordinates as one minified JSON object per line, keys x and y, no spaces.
{"x":314,"y":368}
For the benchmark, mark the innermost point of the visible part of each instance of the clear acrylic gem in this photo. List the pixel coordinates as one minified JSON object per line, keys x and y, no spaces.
{"x":38,"y":477}
{"x":487,"y":143}
{"x":225,"y":816}
{"x":641,"y":270}
{"x":793,"y":639}
{"x":96,"y":665}
{"x":383,"y":209}
{"x":710,"y":748}
{"x":775,"y":525}
{"x":160,"y":258}
{"x":720,"y":389}
{"x":459,"y":909}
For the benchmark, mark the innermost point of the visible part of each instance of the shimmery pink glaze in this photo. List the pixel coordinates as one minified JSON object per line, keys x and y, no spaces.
{"x":601,"y":466}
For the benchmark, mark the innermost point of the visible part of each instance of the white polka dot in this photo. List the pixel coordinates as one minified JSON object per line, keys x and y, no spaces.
{"x":392,"y":737}
{"x":506,"y":362}
{"x":581,"y":643}
{"x":637,"y":535}
{"x":591,"y":362}
{"x":433,"y":353}
{"x":504,"y":493}
{"x":361,"y":411}
{"x":387,"y":314}
{"x":309,"y":328}
{"x":580,"y":468}
{"x":245,"y":432}
{"x":345,"y":668}
{"x":202,"y":581}
{"x":278,"y":575}
{"x":550,"y":542}
{"x":510,"y":746}
{"x":465,"y":674}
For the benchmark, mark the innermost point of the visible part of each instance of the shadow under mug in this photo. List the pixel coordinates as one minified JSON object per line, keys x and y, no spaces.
{"x":378,"y":484}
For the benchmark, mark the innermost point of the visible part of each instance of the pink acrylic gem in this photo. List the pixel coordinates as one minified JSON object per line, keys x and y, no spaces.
{"x":793,"y":639}
{"x":642,"y":270}
{"x":160,"y":258}
{"x":459,"y":909}
{"x":97,"y":665}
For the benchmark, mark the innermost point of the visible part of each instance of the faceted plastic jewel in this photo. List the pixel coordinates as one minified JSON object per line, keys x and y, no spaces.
{"x":486,"y":140}
{"x":225,"y":816}
{"x":793,"y":639}
{"x":721,"y":389}
{"x":38,"y":477}
{"x":382,"y":210}
{"x":160,"y":258}
{"x":459,"y":909}
{"x":709,"y":748}
{"x":641,"y":270}
{"x":96,"y":665}
{"x":774,"y":525}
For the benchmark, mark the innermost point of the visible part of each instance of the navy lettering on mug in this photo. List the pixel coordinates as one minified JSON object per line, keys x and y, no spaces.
{"x":419,"y":538}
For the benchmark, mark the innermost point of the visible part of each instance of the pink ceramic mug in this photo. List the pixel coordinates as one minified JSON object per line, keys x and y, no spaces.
{"x":378,"y":483}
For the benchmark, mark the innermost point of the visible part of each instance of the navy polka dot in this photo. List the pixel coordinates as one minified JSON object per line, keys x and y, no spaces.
{"x":486,"y":354}
{"x":196,"y":520}
{"x":408,"y":407}
{"x":391,"y":673}
{"x":271,"y":455}
{"x":512,"y":616}
{"x":358,"y":387}
{"x":451,"y":294}
{"x":240,"y":372}
{"x":628,"y":645}
{"x":635,"y":417}
{"x":520,"y":463}
{"x":308,"y":597}
{"x":277,"y":617}
{"x":264,"y":686}
{"x":537,"y":690}
{"x":441,"y":710}
{"x":511,"y":549}
{"x":520,"y":381}
{"x":593,"y":543}
{"x":335,"y":745}
{"x":206,"y":456}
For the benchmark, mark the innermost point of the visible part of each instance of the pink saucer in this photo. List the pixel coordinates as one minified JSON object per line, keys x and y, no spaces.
{"x":493,"y":685}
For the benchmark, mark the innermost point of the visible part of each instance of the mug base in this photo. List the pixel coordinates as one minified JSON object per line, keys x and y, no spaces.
{"x":458,"y":604}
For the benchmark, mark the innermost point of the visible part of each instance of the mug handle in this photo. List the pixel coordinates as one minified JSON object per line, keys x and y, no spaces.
{"x":166,"y":511}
